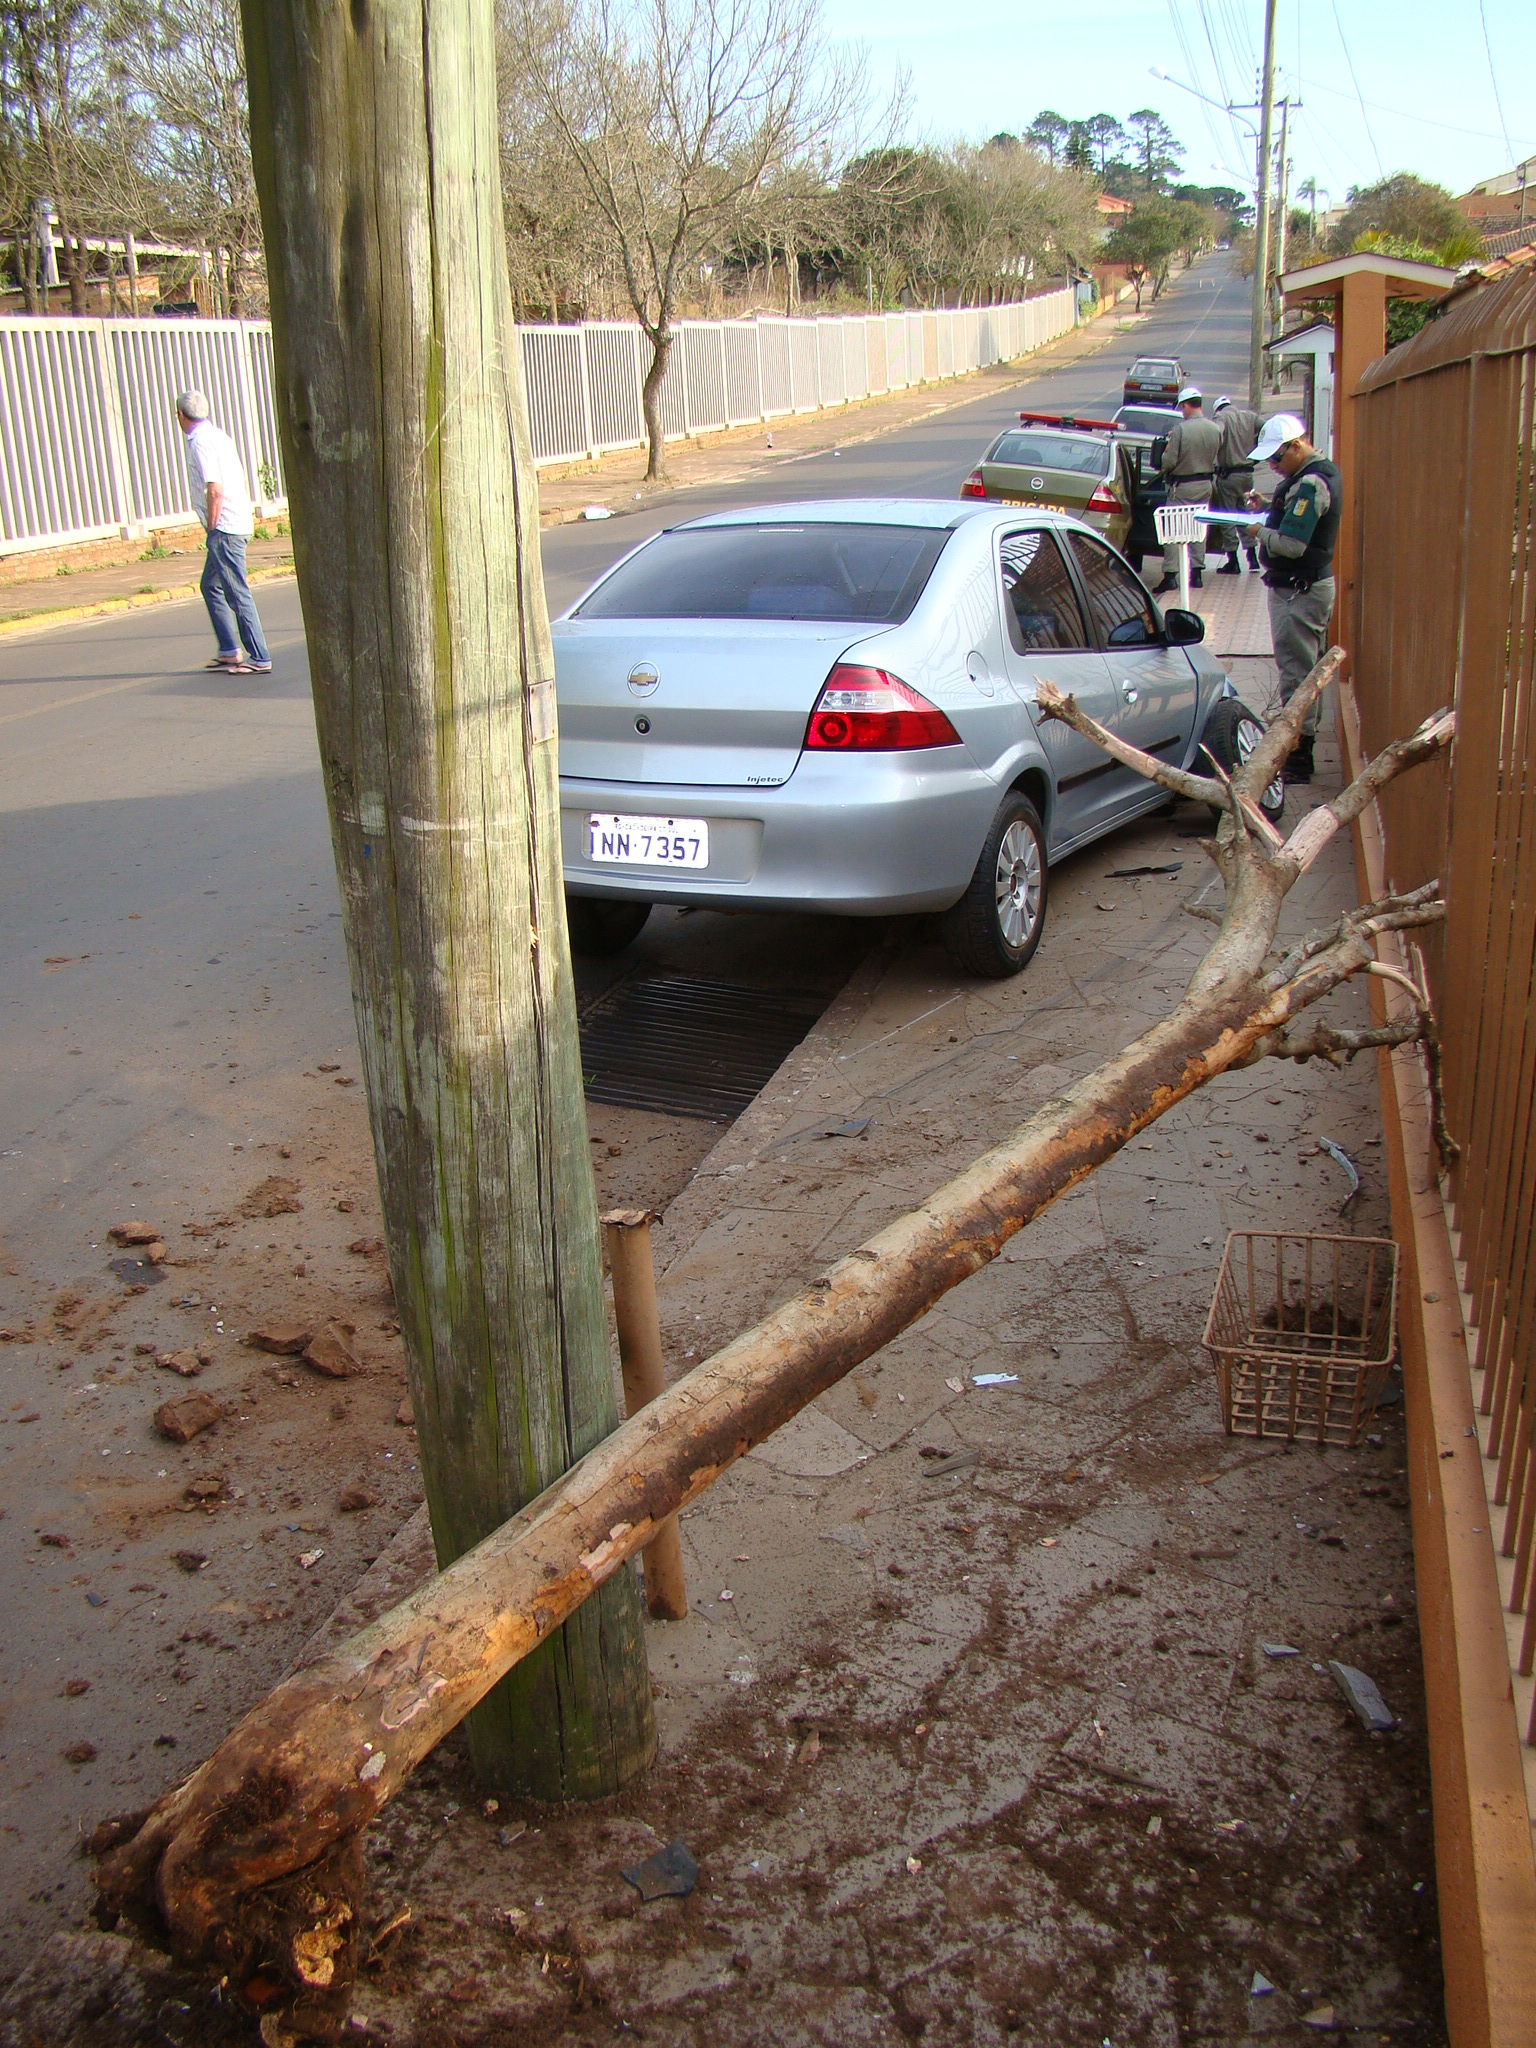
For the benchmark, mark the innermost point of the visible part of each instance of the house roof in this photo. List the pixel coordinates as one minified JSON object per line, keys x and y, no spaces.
{"x":1405,"y":280}
{"x":1317,"y":332}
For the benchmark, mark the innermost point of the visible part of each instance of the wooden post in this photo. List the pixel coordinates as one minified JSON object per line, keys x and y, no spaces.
{"x":628,"y":1236}
{"x":416,"y":541}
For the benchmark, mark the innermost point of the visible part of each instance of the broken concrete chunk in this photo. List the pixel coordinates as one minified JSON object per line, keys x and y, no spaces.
{"x":329,"y":1353}
{"x":283,"y":1340}
{"x":134,"y":1233}
{"x":1362,"y":1695}
{"x":405,"y":1414}
{"x":355,"y":1499}
{"x":365,"y":1247}
{"x":182,"y":1420}
{"x":187,"y":1363}
{"x":190,"y":1560}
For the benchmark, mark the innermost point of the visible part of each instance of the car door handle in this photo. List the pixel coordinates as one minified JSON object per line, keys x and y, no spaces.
{"x":1130,"y":694}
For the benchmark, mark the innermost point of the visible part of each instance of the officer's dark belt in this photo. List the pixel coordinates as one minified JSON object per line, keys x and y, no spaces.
{"x":1193,"y":476}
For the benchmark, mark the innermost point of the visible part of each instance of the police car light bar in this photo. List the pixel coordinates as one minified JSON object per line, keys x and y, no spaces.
{"x":1066,"y":419}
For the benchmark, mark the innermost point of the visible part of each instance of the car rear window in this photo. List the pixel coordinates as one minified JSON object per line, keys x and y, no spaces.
{"x":1034,"y":449}
{"x":1145,"y":419}
{"x":818,"y":571}
{"x":1153,"y":366}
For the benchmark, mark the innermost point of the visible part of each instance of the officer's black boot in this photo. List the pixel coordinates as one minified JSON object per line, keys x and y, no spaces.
{"x":1168,"y":583}
{"x":1231,"y":566}
{"x":1196,"y":579}
{"x":1299,"y":767}
{"x":1253,"y":558}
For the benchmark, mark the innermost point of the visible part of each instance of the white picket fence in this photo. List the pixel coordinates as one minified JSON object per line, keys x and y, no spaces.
{"x":90,"y":448}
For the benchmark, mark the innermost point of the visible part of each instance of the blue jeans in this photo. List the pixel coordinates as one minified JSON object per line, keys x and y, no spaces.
{"x":228,"y":597}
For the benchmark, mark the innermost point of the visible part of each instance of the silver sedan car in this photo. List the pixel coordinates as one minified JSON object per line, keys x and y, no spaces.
{"x":830,"y":707}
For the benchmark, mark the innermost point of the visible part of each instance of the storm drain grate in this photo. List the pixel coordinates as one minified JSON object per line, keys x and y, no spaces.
{"x":689,"y":1048}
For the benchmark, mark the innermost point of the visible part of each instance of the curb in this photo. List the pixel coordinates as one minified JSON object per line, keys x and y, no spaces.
{"x":140,"y":600}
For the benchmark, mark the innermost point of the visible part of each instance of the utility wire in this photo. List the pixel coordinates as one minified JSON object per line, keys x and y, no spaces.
{"x":1493,"y":79}
{"x":1194,"y":71}
{"x":1359,"y":95}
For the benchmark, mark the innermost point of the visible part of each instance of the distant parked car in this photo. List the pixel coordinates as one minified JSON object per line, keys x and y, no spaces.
{"x":1154,"y":380}
{"x":830,"y":707}
{"x":1059,"y":463}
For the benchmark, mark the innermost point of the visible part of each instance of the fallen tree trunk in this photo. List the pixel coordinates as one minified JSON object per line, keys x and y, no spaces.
{"x":292,"y":1787}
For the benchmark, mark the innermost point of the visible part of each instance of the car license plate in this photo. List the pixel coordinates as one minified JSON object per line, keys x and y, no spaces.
{"x":617,"y":840}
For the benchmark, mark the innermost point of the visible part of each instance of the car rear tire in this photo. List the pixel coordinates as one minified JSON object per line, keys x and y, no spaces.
{"x":1231,"y":734}
{"x":599,"y":928}
{"x":994,"y":929}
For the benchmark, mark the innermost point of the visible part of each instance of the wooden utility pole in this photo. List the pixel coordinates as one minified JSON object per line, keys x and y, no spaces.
{"x":1261,"y":228}
{"x":416,"y":541}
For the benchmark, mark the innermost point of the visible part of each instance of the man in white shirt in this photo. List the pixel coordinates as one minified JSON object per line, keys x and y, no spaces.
{"x":223,"y":501}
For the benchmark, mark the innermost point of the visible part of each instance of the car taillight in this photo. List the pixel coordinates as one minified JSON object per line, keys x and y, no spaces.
{"x":1103,"y":500}
{"x":866,"y":711}
{"x":973,"y":487}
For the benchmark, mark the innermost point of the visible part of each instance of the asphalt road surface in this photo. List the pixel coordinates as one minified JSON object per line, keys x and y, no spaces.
{"x":173,"y":987}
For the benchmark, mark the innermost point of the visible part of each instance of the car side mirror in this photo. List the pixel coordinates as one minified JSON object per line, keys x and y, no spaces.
{"x":1182,"y":628}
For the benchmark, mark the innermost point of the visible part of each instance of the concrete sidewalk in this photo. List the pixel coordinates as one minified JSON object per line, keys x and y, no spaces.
{"x":1010,"y":1575}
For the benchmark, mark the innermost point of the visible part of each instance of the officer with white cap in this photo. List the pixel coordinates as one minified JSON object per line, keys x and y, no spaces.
{"x":1189,"y":463}
{"x":1296,"y":555}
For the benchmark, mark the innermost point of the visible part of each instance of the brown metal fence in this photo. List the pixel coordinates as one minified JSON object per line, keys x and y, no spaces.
{"x":1445,"y":612}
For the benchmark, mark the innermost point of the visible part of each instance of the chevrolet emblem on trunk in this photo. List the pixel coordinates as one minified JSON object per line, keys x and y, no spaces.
{"x":642,"y":679}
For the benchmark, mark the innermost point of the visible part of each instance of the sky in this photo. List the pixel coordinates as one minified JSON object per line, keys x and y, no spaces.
{"x":1385,"y":85}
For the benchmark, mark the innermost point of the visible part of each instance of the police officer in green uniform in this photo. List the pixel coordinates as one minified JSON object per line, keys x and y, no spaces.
{"x":1296,"y":554}
{"x":1189,"y":464}
{"x":1240,"y":428}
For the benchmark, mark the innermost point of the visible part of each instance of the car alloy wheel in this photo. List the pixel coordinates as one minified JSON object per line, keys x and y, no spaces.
{"x":1019,"y":877}
{"x":993,"y":930}
{"x":1247,"y":735}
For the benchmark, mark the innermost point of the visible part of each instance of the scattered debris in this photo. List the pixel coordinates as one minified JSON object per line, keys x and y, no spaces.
{"x":405,"y":1414}
{"x":995,"y":1379}
{"x":182,"y":1420}
{"x":79,"y":1753}
{"x":505,"y":1837}
{"x":596,"y":512}
{"x":283,"y":1340}
{"x":955,"y":1386}
{"x":1260,"y":1987}
{"x":95,"y":1599}
{"x":914,"y":1865}
{"x":1321,"y":2017}
{"x":1171,"y":867}
{"x":1337,"y":1152}
{"x":76,"y":1688}
{"x":134,"y":1233}
{"x":364,"y":1247}
{"x":355,"y":1499}
{"x":308,"y":1558}
{"x":273,"y":1196}
{"x":810,"y":1749}
{"x":1361,"y":1693}
{"x":52,"y":1540}
{"x":854,"y":1126}
{"x":203,"y":1490}
{"x":1155,"y":1824}
{"x":670,"y":1874}
{"x":187,"y":1363}
{"x":190,"y":1560}
{"x":330,"y":1353}
{"x":936,"y":1469}
{"x":1279,"y":1650}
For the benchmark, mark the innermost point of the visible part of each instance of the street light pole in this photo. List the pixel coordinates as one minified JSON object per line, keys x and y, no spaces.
{"x":1283,"y":181}
{"x":1261,"y":233}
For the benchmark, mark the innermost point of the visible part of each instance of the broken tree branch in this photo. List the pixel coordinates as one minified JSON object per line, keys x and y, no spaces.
{"x":253,"y":1857}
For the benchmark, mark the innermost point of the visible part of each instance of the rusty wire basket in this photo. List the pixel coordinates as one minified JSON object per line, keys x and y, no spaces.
{"x":1302,"y":1331}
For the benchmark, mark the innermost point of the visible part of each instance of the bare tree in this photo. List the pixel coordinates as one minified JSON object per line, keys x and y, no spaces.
{"x":675,"y":113}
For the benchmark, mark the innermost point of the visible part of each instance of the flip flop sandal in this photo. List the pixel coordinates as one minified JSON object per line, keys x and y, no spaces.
{"x":232,"y":668}
{"x":225,"y":661}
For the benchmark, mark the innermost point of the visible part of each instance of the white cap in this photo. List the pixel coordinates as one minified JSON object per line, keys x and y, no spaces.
{"x":1190,"y":395}
{"x":1221,"y":403}
{"x":193,"y":405}
{"x":1279,"y":428}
